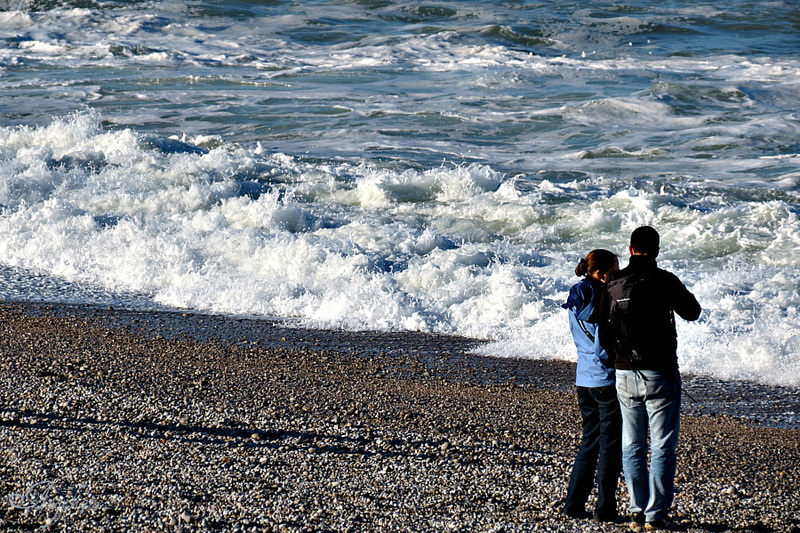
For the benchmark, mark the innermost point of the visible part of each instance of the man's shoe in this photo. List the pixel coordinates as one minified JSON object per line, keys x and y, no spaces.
{"x":636,"y":522}
{"x":637,"y":518}
{"x":663,"y":524}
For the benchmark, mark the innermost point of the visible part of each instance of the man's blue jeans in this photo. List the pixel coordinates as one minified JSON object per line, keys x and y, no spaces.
{"x":649,"y":399}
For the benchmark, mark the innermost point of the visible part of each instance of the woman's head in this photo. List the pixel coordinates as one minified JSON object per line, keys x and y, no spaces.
{"x":597,"y":264}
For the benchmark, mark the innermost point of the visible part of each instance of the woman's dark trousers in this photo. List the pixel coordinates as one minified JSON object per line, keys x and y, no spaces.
{"x":600,"y":452}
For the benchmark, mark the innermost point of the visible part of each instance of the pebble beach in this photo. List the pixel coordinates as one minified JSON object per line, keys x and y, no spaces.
{"x":116,"y":420}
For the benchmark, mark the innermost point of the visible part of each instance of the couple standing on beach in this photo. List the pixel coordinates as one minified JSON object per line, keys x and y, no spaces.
{"x":623,"y":325}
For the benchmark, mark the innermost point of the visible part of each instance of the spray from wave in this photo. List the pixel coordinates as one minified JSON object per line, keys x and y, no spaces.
{"x":205,"y":224}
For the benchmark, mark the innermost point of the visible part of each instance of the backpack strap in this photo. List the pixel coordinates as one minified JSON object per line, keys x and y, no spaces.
{"x":582,"y":319}
{"x":585,"y":330}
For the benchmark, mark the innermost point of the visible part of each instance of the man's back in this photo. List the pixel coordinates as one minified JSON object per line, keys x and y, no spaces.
{"x":637,"y":324}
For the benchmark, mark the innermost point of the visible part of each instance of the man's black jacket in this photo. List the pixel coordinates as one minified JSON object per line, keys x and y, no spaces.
{"x":647,"y":339}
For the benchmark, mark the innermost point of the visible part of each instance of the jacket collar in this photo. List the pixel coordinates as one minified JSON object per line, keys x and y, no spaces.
{"x":642,"y":262}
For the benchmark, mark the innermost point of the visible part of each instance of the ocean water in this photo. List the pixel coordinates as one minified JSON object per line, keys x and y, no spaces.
{"x":433,"y":165}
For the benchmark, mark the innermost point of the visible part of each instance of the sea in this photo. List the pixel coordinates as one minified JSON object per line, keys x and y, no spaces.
{"x":418,"y":165}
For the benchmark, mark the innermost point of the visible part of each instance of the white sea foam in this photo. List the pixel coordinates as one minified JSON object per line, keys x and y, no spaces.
{"x":456,"y":249}
{"x":633,"y":112}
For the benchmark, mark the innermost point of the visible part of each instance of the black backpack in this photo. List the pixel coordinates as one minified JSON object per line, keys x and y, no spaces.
{"x":630,"y":309}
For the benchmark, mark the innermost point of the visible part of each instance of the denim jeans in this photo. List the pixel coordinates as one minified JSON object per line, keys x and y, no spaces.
{"x":649,"y":400}
{"x":600,"y":451}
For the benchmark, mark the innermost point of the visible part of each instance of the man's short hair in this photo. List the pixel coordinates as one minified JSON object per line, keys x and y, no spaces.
{"x":645,"y":240}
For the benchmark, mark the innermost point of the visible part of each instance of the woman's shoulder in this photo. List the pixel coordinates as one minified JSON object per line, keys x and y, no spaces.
{"x":580,"y":294}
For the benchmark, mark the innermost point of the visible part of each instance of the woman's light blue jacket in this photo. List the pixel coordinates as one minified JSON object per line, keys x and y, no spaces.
{"x":592,"y":370}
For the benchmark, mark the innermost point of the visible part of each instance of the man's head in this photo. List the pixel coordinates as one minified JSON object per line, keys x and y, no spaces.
{"x":645,"y":241}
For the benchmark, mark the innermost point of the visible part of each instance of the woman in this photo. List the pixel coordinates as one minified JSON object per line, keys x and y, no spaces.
{"x":600,"y":448}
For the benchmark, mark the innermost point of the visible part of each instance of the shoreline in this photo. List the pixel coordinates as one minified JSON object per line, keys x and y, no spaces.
{"x":754,"y":403}
{"x":147,"y":421}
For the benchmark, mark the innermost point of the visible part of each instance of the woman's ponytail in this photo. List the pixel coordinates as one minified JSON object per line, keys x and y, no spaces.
{"x":582,"y":269}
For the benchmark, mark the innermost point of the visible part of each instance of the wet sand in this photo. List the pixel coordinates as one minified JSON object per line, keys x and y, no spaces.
{"x":134,"y":421}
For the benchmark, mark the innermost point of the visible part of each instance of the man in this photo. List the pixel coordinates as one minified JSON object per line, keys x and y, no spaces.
{"x":636,"y":320}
